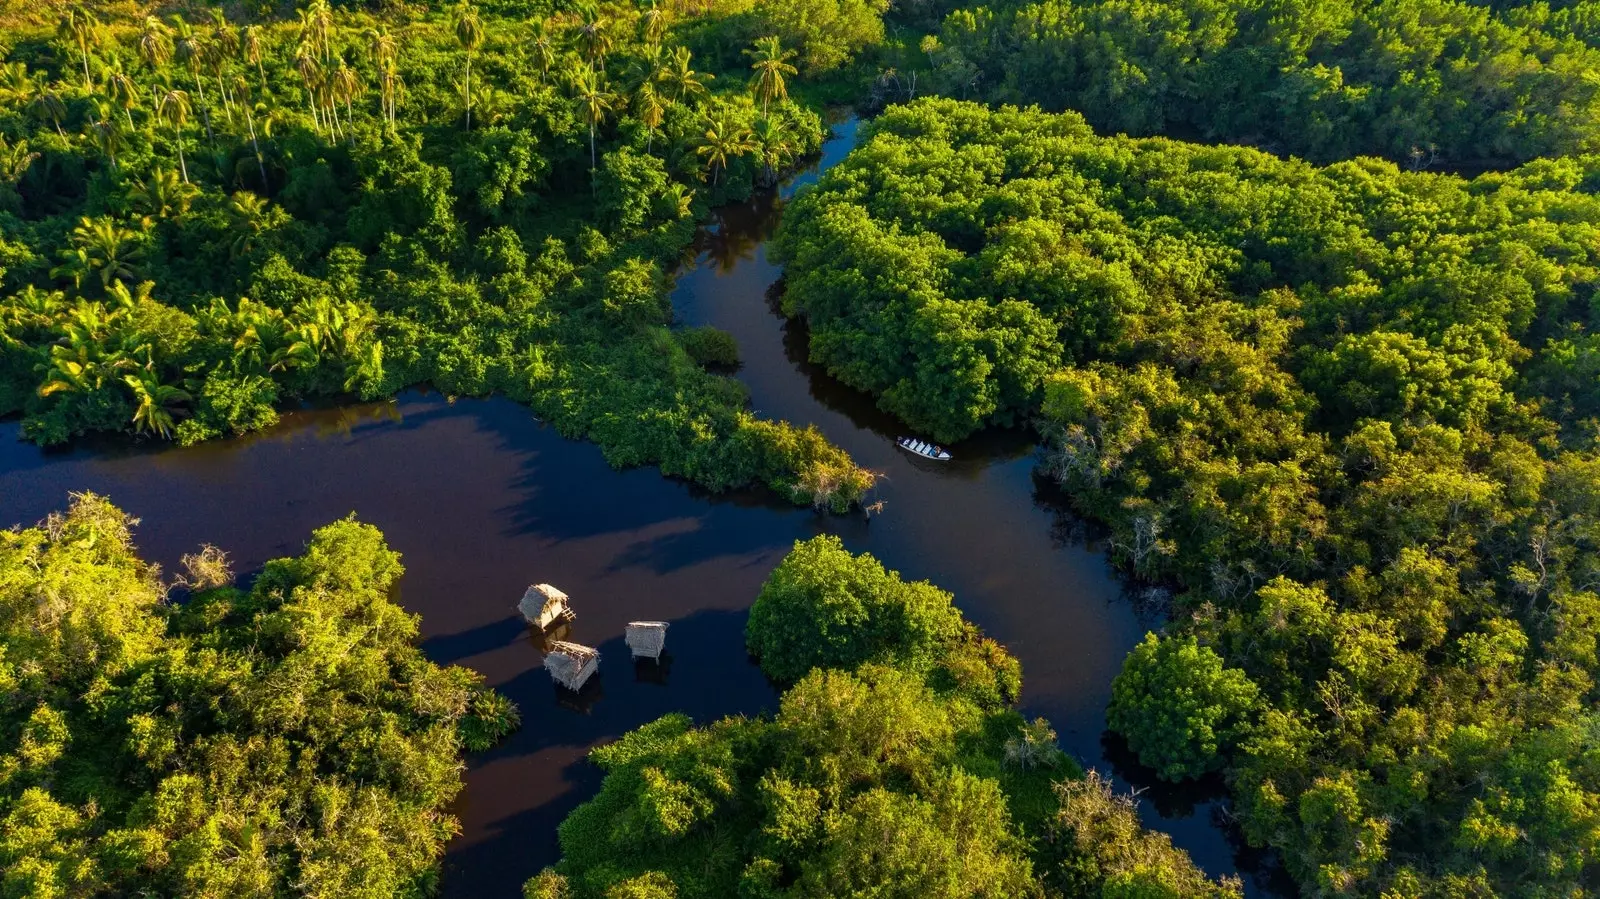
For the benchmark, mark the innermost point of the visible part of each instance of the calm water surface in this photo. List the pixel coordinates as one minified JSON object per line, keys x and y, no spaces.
{"x":481,"y":500}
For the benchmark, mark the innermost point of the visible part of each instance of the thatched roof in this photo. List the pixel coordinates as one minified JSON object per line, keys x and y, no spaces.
{"x":646,"y":638}
{"x":571,"y":664}
{"x":543,"y":604}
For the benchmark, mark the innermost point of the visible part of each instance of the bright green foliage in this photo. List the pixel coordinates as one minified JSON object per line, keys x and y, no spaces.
{"x":287,"y":740}
{"x":1102,"y":850}
{"x":346,"y":205}
{"x":823,"y":607}
{"x":1420,"y":82}
{"x":891,"y":780}
{"x":1179,"y":708}
{"x":1347,"y":411}
{"x":710,"y":346}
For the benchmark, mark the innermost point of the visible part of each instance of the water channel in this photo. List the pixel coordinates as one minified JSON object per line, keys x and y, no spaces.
{"x":481,"y":499}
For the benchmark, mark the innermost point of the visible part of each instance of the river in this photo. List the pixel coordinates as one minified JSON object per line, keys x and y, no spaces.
{"x":481,"y":500}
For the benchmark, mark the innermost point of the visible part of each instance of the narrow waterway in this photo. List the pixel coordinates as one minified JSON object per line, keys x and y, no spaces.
{"x":481,"y":500}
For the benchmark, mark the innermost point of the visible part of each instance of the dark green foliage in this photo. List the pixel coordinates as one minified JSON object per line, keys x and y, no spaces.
{"x":823,"y":607}
{"x":1420,"y":82}
{"x":710,"y":346}
{"x":1346,"y":411}
{"x":336,"y":228}
{"x":908,"y":776}
{"x":288,"y":739}
{"x":1179,"y":708}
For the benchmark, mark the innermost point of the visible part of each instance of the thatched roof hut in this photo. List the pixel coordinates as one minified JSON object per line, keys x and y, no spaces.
{"x":543,"y":605}
{"x":571,"y":664}
{"x":647,"y":638}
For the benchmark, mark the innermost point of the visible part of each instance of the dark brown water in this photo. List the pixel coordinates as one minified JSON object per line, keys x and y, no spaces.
{"x":482,"y":500}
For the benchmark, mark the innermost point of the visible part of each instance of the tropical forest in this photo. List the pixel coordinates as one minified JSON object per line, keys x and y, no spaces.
{"x":793,"y":449}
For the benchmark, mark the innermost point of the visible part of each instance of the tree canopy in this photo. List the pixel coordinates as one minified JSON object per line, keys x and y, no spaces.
{"x":885,"y":772}
{"x":289,"y":738}
{"x":201,"y":221}
{"x":1345,"y":413}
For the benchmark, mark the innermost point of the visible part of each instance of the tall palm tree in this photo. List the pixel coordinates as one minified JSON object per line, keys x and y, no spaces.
{"x":154,"y":403}
{"x":386,"y":54}
{"x":725,"y":140}
{"x":174,"y":109}
{"x":190,"y":48}
{"x":651,"y":111}
{"x":652,"y":24}
{"x":106,"y":131}
{"x":124,"y":92}
{"x":241,"y":89}
{"x":155,"y":43}
{"x":469,"y":34}
{"x":47,"y":104}
{"x":771,"y":64}
{"x":594,"y":102}
{"x":311,"y":73}
{"x":682,"y":82}
{"x":81,"y":28}
{"x":222,"y":48}
{"x":344,"y":85}
{"x":252,"y":49}
{"x":541,"y":47}
{"x":594,"y":37}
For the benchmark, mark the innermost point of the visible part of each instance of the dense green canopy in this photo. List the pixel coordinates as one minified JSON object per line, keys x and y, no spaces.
{"x":896,"y":767}
{"x":289,"y":739}
{"x":1422,"y":82}
{"x":206,"y":220}
{"x":1348,"y":412}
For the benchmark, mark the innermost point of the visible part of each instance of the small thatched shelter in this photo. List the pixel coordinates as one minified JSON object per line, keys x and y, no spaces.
{"x":571,"y":664}
{"x":647,"y":638}
{"x":543,"y":605}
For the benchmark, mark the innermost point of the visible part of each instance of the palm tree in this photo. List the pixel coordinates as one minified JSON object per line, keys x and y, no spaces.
{"x":174,"y":109}
{"x":310,"y":69}
{"x":155,"y":43}
{"x":594,"y":37}
{"x":385,"y":54}
{"x":541,"y":47}
{"x":725,"y":140}
{"x":652,"y":24}
{"x":247,"y":217}
{"x":469,"y":34}
{"x":241,"y":89}
{"x":154,"y":403}
{"x":594,"y":101}
{"x":773,"y":146}
{"x":162,"y":194}
{"x":106,"y":131}
{"x":253,"y":50}
{"x":770,"y":65}
{"x":651,"y":111}
{"x":190,"y":47}
{"x":47,"y":104}
{"x":81,"y":28}
{"x":14,"y":160}
{"x":124,"y":92}
{"x":344,"y":85}
{"x":683,"y":83}
{"x":100,"y":248}
{"x":221,"y":49}
{"x":16,"y":85}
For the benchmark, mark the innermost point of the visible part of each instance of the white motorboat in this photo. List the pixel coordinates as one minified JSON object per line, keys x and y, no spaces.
{"x":923,"y":448}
